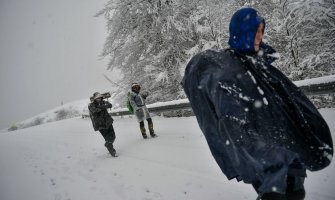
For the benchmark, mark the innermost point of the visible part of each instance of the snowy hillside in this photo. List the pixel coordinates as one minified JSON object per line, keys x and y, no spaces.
{"x":69,"y":110}
{"x":66,"y":160}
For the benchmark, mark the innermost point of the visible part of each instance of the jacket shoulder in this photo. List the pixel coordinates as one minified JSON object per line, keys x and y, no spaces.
{"x":212,"y":55}
{"x":212,"y":59}
{"x":131,"y":94}
{"x":91,"y":105}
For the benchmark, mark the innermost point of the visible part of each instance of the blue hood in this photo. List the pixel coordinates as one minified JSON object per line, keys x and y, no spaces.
{"x":242,"y":28}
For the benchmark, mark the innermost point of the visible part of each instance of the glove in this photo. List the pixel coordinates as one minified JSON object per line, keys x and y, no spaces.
{"x":106,"y":105}
{"x":145,"y":95}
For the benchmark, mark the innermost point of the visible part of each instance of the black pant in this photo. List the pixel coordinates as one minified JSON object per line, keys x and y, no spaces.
{"x":108,"y":134}
{"x":295,"y":184}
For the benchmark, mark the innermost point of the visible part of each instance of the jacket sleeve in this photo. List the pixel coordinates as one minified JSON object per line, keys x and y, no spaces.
{"x":93,"y":109}
{"x":230,"y":100}
{"x":220,"y":106}
{"x":106,"y":105}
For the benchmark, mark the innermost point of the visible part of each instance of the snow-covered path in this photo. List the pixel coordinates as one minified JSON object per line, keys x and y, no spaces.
{"x":66,"y":160}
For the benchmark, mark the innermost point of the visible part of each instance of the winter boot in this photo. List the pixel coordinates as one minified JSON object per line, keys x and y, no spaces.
{"x":151,"y":128}
{"x":142,"y":128}
{"x":111,"y":149}
{"x":144,"y":135}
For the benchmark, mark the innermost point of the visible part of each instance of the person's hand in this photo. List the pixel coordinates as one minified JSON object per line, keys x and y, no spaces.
{"x":108,"y":105}
{"x":145,"y":95}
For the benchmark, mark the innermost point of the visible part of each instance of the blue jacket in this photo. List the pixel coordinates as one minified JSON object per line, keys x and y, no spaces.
{"x":255,"y":120}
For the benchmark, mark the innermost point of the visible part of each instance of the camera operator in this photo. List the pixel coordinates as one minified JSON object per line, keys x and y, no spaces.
{"x":102,"y":121}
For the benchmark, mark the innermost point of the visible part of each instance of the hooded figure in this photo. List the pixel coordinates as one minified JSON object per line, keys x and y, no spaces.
{"x":259,"y":126}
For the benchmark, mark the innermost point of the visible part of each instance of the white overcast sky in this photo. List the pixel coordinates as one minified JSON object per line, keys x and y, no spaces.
{"x":49,"y":53}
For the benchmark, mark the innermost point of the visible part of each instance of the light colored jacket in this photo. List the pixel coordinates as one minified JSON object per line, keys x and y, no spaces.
{"x":140,"y":109}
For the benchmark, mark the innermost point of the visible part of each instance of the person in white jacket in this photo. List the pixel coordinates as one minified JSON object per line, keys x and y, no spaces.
{"x":137,"y":101}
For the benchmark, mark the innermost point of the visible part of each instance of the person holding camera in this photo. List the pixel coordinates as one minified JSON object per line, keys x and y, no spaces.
{"x":137,"y":101}
{"x":102,"y":121}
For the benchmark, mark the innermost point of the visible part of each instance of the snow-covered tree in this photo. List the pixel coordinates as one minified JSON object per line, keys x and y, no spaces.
{"x":147,"y":41}
{"x":150,"y":41}
{"x":306,"y":43}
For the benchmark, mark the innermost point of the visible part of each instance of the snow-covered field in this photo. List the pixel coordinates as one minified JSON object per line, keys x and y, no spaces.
{"x":66,"y":160}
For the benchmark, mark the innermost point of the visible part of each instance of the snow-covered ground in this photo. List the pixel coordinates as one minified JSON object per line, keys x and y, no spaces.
{"x":66,"y":160}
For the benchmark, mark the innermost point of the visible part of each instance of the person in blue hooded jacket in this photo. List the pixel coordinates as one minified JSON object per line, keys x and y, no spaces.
{"x":259,"y":126}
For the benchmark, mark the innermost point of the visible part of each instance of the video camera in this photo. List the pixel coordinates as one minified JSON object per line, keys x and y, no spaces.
{"x":105,"y":95}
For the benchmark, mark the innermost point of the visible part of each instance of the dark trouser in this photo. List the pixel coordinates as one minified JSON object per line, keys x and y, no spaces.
{"x":295,"y":185}
{"x":150,"y":126}
{"x":109,"y":136}
{"x":294,"y":191}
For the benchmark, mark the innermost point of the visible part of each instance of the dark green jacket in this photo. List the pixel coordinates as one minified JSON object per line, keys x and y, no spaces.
{"x":101,"y":119}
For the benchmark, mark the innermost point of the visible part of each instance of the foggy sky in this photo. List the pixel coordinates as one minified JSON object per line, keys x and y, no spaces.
{"x":49,"y":53}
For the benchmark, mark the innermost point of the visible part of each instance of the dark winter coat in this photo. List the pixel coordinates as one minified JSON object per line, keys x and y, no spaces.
{"x":255,"y":120}
{"x":101,"y":119}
